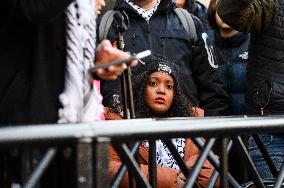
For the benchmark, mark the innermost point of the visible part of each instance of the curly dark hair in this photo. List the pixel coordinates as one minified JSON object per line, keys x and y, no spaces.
{"x":181,"y":106}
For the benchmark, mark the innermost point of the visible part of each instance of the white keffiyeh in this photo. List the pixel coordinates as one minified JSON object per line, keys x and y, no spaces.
{"x":146,"y":14}
{"x":81,"y":100}
{"x":164,"y":156}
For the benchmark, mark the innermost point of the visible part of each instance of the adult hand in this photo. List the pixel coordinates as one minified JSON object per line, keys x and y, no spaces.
{"x":99,"y":5}
{"x":195,"y":112}
{"x":105,"y":53}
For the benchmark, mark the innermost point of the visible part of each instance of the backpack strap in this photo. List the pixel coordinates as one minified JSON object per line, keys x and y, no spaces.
{"x":187,"y":22}
{"x":105,"y":24}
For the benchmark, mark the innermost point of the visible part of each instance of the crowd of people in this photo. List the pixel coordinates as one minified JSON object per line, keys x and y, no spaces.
{"x":233,"y":66}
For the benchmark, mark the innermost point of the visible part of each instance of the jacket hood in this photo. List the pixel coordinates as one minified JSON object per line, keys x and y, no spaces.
{"x":164,"y":5}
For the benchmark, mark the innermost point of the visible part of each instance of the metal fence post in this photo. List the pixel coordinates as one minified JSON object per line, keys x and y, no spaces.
{"x":101,"y":162}
{"x":224,"y":163}
{"x":152,"y":163}
{"x":85,"y":163}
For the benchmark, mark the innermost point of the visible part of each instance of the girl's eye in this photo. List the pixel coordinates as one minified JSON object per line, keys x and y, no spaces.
{"x":169,"y":86}
{"x":153,"y":83}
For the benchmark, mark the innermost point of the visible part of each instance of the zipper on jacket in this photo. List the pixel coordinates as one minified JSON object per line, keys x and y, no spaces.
{"x":163,"y":46}
{"x":262,"y":108}
{"x":148,"y":27}
{"x":162,"y":42}
{"x":133,"y":40}
{"x":149,"y":35}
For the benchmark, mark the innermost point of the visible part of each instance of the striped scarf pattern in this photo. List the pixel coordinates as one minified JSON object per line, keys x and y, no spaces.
{"x":81,"y":99}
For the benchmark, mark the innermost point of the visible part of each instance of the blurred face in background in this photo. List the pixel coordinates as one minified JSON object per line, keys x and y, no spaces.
{"x":145,"y":4}
{"x":99,"y":5}
{"x":224,"y":29}
{"x":221,"y":24}
{"x":159,"y":92}
{"x":180,"y":3}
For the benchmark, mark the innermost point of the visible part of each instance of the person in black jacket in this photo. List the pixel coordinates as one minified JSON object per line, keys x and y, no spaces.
{"x":264,"y":20}
{"x":32,"y":66}
{"x":33,"y":57}
{"x":157,"y":27}
{"x":231,"y":49}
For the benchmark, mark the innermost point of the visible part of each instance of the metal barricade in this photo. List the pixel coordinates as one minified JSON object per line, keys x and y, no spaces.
{"x":91,"y":141}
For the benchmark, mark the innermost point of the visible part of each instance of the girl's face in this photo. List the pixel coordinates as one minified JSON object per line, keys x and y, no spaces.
{"x":159,"y":92}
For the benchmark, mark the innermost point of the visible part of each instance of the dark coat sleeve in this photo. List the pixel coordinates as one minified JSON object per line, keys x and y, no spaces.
{"x":34,"y":11}
{"x":247,"y":15}
{"x":213,"y":97}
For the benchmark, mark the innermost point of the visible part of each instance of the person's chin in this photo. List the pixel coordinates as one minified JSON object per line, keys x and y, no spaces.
{"x":159,"y":110}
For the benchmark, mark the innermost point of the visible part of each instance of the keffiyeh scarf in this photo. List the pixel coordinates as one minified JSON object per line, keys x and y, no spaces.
{"x":81,"y":98}
{"x":164,"y":156}
{"x":146,"y":14}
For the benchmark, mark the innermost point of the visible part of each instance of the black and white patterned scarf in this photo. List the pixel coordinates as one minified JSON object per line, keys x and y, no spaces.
{"x":81,"y":99}
{"x":164,"y":156}
{"x":146,"y":14}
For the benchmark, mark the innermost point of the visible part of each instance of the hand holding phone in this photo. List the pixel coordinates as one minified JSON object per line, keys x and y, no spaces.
{"x":140,"y":55}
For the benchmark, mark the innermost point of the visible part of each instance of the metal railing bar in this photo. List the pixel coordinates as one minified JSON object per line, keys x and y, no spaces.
{"x":150,"y":129}
{"x":280,"y":178}
{"x":123,"y":168}
{"x":152,"y":168}
{"x":130,"y":175}
{"x":137,"y":158}
{"x":265,"y":155}
{"x":200,"y":161}
{"x":256,"y":177}
{"x":214,"y":161}
{"x":224,"y":163}
{"x":176,"y":156}
{"x":27,"y":163}
{"x":131,"y":163}
{"x":144,"y":128}
{"x":40,"y":168}
{"x":215,"y":174}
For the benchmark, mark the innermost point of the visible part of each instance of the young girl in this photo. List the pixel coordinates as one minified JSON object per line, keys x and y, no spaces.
{"x":158,"y":78}
{"x":157,"y":94}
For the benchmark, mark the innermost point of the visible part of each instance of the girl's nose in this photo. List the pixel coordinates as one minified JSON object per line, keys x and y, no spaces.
{"x":161,"y":89}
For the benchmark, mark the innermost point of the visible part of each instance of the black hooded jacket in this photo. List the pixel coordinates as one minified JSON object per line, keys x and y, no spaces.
{"x":32,"y":60}
{"x":264,"y":20}
{"x":232,"y":56}
{"x":165,"y":35}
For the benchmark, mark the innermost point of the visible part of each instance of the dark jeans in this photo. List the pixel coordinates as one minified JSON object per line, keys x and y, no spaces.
{"x":275,"y":147}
